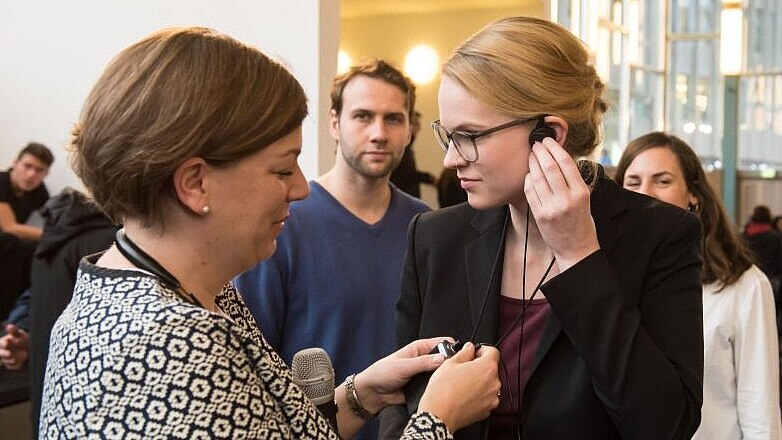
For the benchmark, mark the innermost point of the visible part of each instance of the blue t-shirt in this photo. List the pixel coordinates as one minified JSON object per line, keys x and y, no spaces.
{"x":333,"y":281}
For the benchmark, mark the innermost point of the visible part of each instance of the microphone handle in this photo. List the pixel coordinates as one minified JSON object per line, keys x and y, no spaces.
{"x":329,"y":411}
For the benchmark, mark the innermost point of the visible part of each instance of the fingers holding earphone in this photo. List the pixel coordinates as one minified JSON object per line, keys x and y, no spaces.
{"x":559,"y":200}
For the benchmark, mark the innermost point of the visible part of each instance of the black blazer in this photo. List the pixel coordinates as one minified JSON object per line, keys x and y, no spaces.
{"x":621,"y":355}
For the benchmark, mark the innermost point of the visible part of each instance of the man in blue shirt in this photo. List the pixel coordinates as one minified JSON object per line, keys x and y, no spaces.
{"x":334,"y":279}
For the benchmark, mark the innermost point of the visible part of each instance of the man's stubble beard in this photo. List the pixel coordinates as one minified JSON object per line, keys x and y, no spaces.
{"x":355,"y":162}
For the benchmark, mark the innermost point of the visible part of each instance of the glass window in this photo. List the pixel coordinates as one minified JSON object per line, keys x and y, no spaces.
{"x":672,"y":82}
{"x":695,"y":96}
{"x":760,"y":123}
{"x":694,"y":84}
{"x":564,"y":13}
{"x":695,"y":16}
{"x":647,"y":64}
{"x":647,"y":39}
{"x":764,"y":40}
{"x":646,"y":102}
{"x":611,"y":63}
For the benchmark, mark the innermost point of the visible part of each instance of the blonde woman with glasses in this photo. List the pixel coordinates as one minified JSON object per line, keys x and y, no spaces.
{"x":590,"y":292}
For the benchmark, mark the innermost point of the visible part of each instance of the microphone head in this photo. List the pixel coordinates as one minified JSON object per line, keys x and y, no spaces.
{"x":312,"y":371}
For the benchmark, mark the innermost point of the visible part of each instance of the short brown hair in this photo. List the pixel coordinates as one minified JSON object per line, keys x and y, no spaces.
{"x":176,"y":94}
{"x":725,"y":256}
{"x":377,"y":69}
{"x":39,"y":151}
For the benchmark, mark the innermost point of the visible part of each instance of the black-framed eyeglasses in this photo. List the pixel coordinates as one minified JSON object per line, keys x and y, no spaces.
{"x":465,"y":142}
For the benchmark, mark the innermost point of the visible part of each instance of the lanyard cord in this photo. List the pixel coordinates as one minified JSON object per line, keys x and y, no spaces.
{"x":144,"y":261}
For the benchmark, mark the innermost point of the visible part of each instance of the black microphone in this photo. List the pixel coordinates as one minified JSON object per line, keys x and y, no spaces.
{"x":312,"y":371}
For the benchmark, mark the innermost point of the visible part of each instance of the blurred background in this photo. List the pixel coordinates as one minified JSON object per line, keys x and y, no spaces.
{"x":669,"y":64}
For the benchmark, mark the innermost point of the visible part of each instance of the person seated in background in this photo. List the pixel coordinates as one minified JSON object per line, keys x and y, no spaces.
{"x":14,"y":334}
{"x":760,"y":221}
{"x":22,"y":191}
{"x":74,"y":227}
{"x":406,"y":176}
{"x":741,"y":364}
{"x":766,"y":244}
{"x":190,"y":139}
{"x":449,"y":189}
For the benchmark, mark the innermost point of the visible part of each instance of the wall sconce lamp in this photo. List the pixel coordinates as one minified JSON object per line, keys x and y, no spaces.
{"x":422,"y":64}
{"x":344,"y":62}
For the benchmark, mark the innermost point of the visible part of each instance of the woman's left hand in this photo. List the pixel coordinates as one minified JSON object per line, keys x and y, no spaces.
{"x":559,"y":200}
{"x":380,"y":384}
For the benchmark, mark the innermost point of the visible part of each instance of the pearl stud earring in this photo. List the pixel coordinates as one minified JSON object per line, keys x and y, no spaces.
{"x":205,"y":209}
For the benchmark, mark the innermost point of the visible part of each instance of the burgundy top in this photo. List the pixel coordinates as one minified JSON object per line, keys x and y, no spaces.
{"x":505,"y":418}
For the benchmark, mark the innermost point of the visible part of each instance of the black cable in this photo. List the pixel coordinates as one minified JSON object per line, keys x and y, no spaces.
{"x":491,"y":280}
{"x":520,"y":318}
{"x":144,"y":261}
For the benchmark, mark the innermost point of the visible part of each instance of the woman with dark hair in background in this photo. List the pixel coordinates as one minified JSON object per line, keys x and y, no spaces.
{"x":190,"y":139}
{"x":741,"y":375}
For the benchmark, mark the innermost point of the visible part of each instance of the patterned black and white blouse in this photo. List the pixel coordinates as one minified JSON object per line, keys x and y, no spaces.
{"x":130,"y":359}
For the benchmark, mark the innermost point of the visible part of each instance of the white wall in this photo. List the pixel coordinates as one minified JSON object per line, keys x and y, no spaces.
{"x":51,"y":53}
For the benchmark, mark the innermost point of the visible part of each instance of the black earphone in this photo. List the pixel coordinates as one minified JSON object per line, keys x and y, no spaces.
{"x":540,"y":132}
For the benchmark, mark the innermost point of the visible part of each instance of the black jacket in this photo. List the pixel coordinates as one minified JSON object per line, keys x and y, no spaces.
{"x":74,"y":227}
{"x":767,"y":248}
{"x":621,"y":355}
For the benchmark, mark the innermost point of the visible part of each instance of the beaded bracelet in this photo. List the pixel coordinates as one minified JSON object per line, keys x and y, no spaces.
{"x":352,"y":398}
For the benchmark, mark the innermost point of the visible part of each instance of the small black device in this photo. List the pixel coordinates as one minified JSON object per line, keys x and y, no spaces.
{"x":448,"y":349}
{"x":417,"y":385}
{"x":540,"y":132}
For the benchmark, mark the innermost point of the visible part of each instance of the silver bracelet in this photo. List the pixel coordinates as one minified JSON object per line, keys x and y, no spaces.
{"x":352,"y":398}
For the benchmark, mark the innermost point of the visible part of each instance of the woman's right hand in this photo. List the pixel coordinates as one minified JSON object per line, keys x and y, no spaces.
{"x":464,"y":389}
